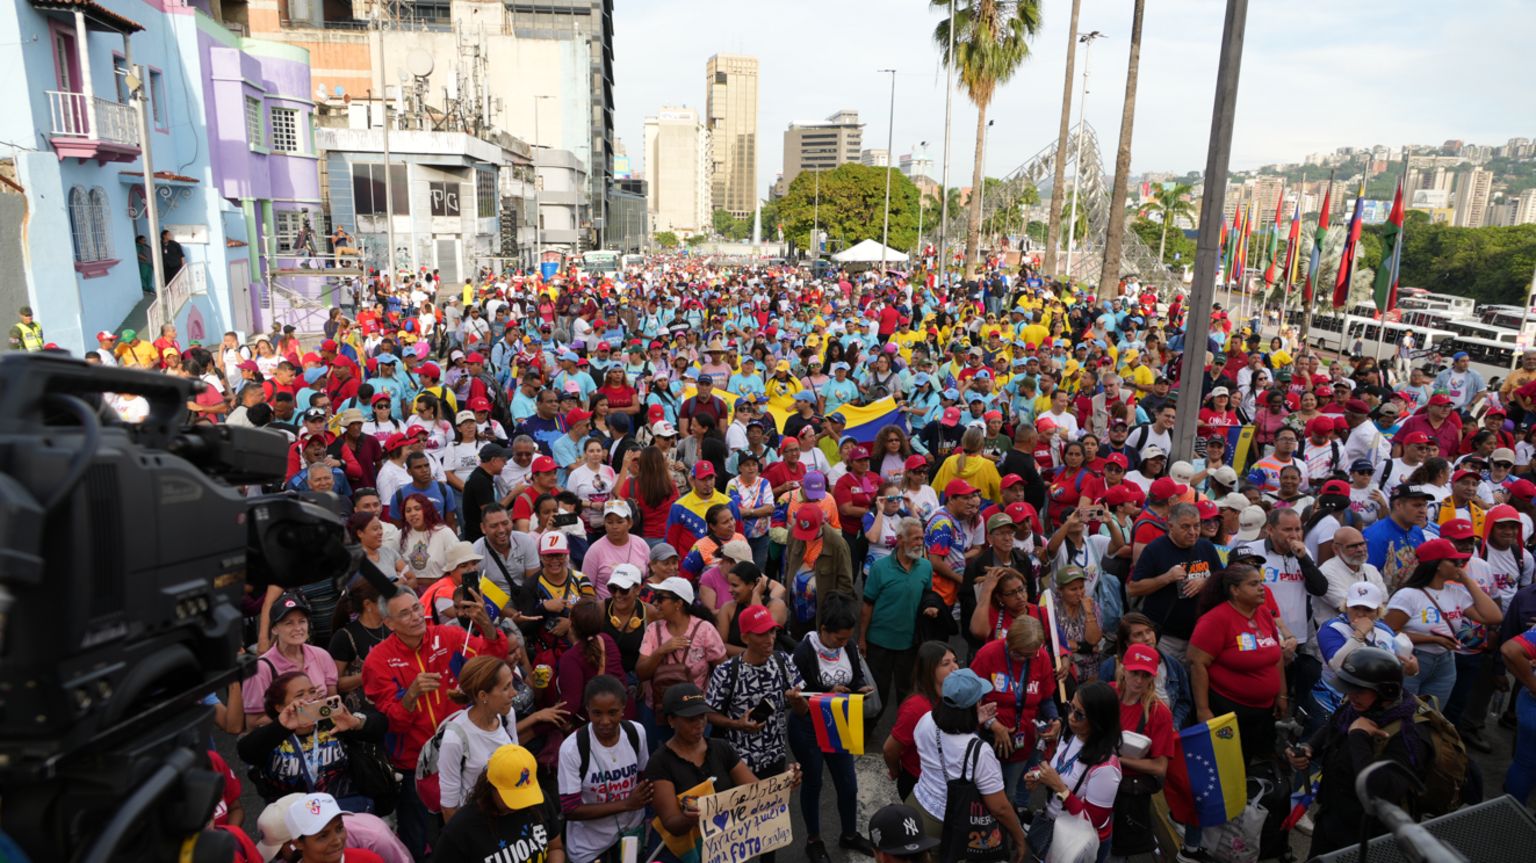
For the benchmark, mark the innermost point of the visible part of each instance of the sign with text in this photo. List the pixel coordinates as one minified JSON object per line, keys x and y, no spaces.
{"x":445,"y":198}
{"x":746,"y":821}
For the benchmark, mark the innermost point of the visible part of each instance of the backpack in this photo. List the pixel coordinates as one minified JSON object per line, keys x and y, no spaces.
{"x":670,"y":671}
{"x":1448,"y":764}
{"x":1333,"y":466}
{"x":584,"y":744}
{"x":803,"y":596}
{"x":1147,"y":516}
{"x":428,"y":782}
{"x":1110,"y":601}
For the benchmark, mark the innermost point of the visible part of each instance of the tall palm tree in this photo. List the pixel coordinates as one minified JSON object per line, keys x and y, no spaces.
{"x":1171,"y":203}
{"x":1059,"y":183}
{"x":1109,"y":273}
{"x":991,"y":42}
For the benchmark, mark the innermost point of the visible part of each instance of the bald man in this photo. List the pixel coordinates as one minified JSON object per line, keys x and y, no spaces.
{"x":1346,"y":567}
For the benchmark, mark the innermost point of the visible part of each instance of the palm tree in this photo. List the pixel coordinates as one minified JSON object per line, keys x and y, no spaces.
{"x":1109,"y":273}
{"x":1059,"y":183}
{"x":1171,"y":203}
{"x":991,"y":42}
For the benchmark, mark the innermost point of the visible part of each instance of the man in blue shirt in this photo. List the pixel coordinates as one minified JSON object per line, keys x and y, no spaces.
{"x":545,"y":426}
{"x":419,"y":466}
{"x":1390,"y":542}
{"x":567,"y":448}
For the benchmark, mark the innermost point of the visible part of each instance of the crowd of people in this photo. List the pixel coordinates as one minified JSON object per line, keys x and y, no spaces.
{"x":630,"y":522}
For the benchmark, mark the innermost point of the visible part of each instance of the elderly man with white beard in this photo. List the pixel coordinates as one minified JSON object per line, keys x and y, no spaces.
{"x":1347,"y":566}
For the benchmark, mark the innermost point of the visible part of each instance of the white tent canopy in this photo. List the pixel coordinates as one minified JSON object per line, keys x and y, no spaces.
{"x":869,"y":252}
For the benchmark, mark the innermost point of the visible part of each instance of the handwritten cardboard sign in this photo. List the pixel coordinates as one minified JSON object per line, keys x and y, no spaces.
{"x":746,"y":821}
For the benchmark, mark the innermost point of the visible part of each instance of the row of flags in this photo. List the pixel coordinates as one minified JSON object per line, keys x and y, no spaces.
{"x":1243,"y":237}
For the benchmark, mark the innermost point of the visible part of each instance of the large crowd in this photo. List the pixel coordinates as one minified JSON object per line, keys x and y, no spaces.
{"x":632,"y":522}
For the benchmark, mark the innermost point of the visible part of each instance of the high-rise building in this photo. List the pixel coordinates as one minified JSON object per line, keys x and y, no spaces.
{"x":1525,"y":208}
{"x":1473,"y":188}
{"x":730,"y":116}
{"x":677,"y":166}
{"x":1264,"y":192}
{"x":877,"y":157}
{"x":821,"y":146}
{"x":916,"y":164}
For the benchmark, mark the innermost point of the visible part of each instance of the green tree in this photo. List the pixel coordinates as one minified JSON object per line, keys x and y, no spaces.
{"x":851,"y":209}
{"x":666,"y":239}
{"x":1171,"y":202}
{"x":1036,"y":231}
{"x":991,"y":42}
{"x":1109,"y":273}
{"x":730,"y":227}
{"x":1176,"y":245}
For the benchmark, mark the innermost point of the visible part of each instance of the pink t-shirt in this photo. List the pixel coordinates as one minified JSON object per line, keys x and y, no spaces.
{"x":603,"y":556}
{"x":715,"y":580}
{"x":318,"y":665}
{"x":706,"y":650}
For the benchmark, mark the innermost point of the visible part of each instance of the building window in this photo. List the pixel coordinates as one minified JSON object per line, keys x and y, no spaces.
{"x":485,"y":194}
{"x":368,"y":189}
{"x":253,"y":124}
{"x":120,"y":77}
{"x":88,"y":224}
{"x":285,"y":130}
{"x":157,"y":97}
{"x":289,"y":229}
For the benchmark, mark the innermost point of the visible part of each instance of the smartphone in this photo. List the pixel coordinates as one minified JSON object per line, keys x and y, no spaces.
{"x":314,"y":711}
{"x":564,"y":519}
{"x":762,"y":711}
{"x":472,"y":581}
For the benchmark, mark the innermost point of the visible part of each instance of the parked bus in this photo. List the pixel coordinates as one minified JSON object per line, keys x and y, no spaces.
{"x":600,"y":261}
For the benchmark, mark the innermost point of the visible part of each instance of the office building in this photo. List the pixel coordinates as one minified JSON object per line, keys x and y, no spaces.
{"x":1525,"y":208}
{"x":1473,"y":188}
{"x":916,"y":164}
{"x":730,"y":117}
{"x":821,"y":146}
{"x":677,"y":164}
{"x":877,"y":157}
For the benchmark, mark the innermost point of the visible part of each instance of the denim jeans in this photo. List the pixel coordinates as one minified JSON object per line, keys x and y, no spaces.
{"x":1468,"y":704}
{"x":759,"y":546}
{"x":1521,"y":777}
{"x":1436,"y":677}
{"x":802,"y":741}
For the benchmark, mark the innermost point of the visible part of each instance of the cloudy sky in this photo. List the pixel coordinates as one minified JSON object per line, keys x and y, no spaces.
{"x":1317,"y":74}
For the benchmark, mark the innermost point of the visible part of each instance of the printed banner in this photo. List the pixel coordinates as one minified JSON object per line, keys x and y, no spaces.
{"x":746,"y":821}
{"x":839,"y":722}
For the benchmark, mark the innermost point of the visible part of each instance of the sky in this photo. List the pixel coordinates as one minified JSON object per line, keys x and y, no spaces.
{"x":1316,"y":75}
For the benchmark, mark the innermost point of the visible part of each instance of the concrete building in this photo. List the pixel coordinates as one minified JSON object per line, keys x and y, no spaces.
{"x":821,"y":146}
{"x":916,"y":164}
{"x":1263,"y":192}
{"x":562,"y":179}
{"x":730,"y":116}
{"x":1473,"y":189}
{"x":1525,"y":208}
{"x":875,"y":157}
{"x":677,"y":166}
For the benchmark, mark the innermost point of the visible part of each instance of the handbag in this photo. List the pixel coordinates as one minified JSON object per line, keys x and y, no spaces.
{"x":372,"y":774}
{"x":672,"y":670}
{"x":971,"y":832}
{"x":1073,"y":840}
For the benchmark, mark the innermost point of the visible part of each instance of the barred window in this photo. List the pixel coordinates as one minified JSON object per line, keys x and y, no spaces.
{"x":485,"y":194}
{"x":253,"y":125}
{"x":88,"y":224}
{"x":285,"y":130}
{"x":286,"y":227}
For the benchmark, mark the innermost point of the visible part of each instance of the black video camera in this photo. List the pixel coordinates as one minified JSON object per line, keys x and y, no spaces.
{"x":124,"y":553}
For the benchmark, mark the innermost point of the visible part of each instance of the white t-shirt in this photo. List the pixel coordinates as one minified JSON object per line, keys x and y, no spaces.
{"x":1282,"y":575}
{"x":612,"y":774}
{"x":932,"y":789}
{"x":922,"y":503}
{"x":1099,"y":789}
{"x":834,"y":664}
{"x":1396,"y":471}
{"x":1425,"y":618}
{"x":460,"y":459}
{"x":1162,"y":440}
{"x":1364,"y":505}
{"x":1321,"y":533}
{"x":461,"y":760}
{"x":1508,"y":572}
{"x":1064,"y":420}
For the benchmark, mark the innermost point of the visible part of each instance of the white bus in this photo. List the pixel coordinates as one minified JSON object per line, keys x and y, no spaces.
{"x":600,"y":261}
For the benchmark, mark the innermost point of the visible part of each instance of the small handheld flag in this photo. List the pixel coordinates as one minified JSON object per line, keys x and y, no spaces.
{"x":838,"y":719}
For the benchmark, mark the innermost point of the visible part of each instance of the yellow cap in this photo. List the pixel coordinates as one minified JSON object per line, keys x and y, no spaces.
{"x":514,"y":772}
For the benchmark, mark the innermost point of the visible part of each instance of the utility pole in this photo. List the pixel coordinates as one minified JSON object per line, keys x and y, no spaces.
{"x":1087,"y":40}
{"x":389,"y":182}
{"x":1202,"y":292}
{"x":923,"y":146}
{"x":890,"y":127}
{"x":949,"y":97}
{"x":136,"y":86}
{"x":816,"y":220}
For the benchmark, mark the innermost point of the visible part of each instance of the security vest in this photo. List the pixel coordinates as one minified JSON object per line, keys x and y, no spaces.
{"x":31,"y":336}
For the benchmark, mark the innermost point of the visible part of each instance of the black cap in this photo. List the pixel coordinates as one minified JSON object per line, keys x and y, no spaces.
{"x":285,"y":603}
{"x":1419,"y":491}
{"x":493,"y":451}
{"x":897,"y":829}
{"x":684,"y":700}
{"x":315,"y":415}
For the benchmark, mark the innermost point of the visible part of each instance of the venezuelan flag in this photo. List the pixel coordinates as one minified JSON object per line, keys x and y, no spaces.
{"x":686,"y":848}
{"x":863,"y":423}
{"x":779,"y":415}
{"x":1239,"y":446}
{"x":495,"y":598}
{"x":1213,"y":762}
{"x":839,"y":722}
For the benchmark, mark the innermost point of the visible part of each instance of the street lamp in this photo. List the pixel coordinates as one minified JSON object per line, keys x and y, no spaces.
{"x":949,"y":93}
{"x":890,"y":126}
{"x":1087,"y":40}
{"x":816,"y":220}
{"x":539,"y":229}
{"x":921,"y":200}
{"x":986,"y":135}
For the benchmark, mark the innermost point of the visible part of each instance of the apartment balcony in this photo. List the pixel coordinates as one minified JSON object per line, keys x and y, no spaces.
{"x":83,"y":128}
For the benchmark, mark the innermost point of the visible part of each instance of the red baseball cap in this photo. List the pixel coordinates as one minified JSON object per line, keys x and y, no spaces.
{"x":1208,"y":510}
{"x":1011,"y":480}
{"x":1417,"y":437}
{"x":1117,"y":459}
{"x":475,"y":357}
{"x":756,"y":619}
{"x":1464,"y":473}
{"x":480,"y":403}
{"x":380,"y":397}
{"x":992,"y":415}
{"x":395,"y":441}
{"x":655,"y":413}
{"x":1522,"y":488}
{"x":1439,"y":549}
{"x":1141,"y":657}
{"x":859,"y":452}
{"x":1457,"y":528}
{"x":544,"y":464}
{"x":1336,"y":487}
{"x":1357,"y":406}
{"x":577,"y":415}
{"x":416,"y":432}
{"x":703,"y":468}
{"x":1340,"y":424}
{"x":1439,"y":399}
{"x":1021,"y":512}
{"x":915,"y":462}
{"x":951,"y":417}
{"x":958,"y":488}
{"x":1320,"y":425}
{"x":430,"y":370}
{"x":1164,"y":488}
{"x":807,"y":522}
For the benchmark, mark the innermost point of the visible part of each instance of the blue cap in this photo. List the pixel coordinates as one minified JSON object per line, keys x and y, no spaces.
{"x":921,"y":379}
{"x":963,"y":688}
{"x":983,"y":375}
{"x":1019,"y":361}
{"x":381,"y":359}
{"x":839,"y":365}
{"x":805,"y":396}
{"x":1362,"y":465}
{"x":1459,"y":355}
{"x":952,"y":394}
{"x":568,"y":356}
{"x":707,"y":379}
{"x":312,"y":375}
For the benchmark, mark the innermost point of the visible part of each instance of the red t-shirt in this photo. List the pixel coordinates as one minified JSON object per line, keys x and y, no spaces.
{"x":1246,"y":651}
{"x":653,"y":519}
{"x":857,"y":491}
{"x":781,"y":472}
{"x":993,"y":665}
{"x":1159,"y":726}
{"x":907,"y":716}
{"x":618,"y":397}
{"x":522,"y":505}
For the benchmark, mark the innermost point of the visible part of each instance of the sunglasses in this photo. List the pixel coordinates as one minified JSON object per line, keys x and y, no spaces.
{"x":1078,"y":714}
{"x":613,"y":588}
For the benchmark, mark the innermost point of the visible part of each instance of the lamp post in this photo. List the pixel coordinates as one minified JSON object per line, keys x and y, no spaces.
{"x":949,"y":96}
{"x":538,"y":228}
{"x":986,"y":135}
{"x":135,"y":81}
{"x":377,"y":25}
{"x":922,"y":147}
{"x":1087,"y":40}
{"x":890,"y":126}
{"x":816,"y":220}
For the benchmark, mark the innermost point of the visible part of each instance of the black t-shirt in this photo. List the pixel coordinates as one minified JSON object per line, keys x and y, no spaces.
{"x":523,"y":836}
{"x":1023,"y":464}
{"x":479,"y":490}
{"x":1174,"y":614}
{"x":719,"y":760}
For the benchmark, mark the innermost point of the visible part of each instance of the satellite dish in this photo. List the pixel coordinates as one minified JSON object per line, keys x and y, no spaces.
{"x":320,"y":95}
{"x":419,"y":63}
{"x":338,"y":91}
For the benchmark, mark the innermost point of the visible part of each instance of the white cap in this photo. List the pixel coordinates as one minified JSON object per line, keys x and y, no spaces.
{"x":1364,"y":594}
{"x":459,"y":554}
{"x":463,"y":417}
{"x":1220,"y":391}
{"x":662,"y":428}
{"x":1181,"y":471}
{"x":677,"y":586}
{"x":1250,"y":523}
{"x":617,"y":507}
{"x":272,"y":825}
{"x":1226,"y":476}
{"x":737,"y":550}
{"x":1152,"y":451}
{"x":310,"y":814}
{"x":624,"y":575}
{"x":1234,"y":500}
{"x":1502,"y":454}
{"x":553,"y":542}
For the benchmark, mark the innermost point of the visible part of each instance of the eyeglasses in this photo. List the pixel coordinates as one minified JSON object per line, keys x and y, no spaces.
{"x":614,"y":588}
{"x":1078,"y":714}
{"x":1006,"y":594}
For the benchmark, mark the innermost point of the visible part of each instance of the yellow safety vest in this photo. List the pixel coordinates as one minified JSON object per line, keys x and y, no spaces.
{"x":31,"y":336}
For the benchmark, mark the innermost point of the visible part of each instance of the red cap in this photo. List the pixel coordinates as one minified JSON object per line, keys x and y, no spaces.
{"x":915,"y":462}
{"x":1457,"y":528}
{"x":1357,"y":406}
{"x":430,"y":370}
{"x":604,"y":346}
{"x":1464,"y":473}
{"x":1020,"y":512}
{"x":1141,"y":657}
{"x":756,"y":619}
{"x":858,"y":452}
{"x":395,"y":441}
{"x":329,"y":345}
{"x":958,"y":488}
{"x":416,"y":432}
{"x":703,"y":468}
{"x":992,"y":415}
{"x":1122,"y":493}
{"x":544,"y":464}
{"x":1164,"y":488}
{"x":475,"y":357}
{"x":105,"y":335}
{"x":951,"y":417}
{"x":310,"y":359}
{"x":479,"y":403}
{"x":1011,"y":480}
{"x":1118,"y":459}
{"x":1208,"y":510}
{"x":1417,"y":437}
{"x":1439,"y":549}
{"x":655,"y":413}
{"x":806,"y":525}
{"x":1336,"y":487}
{"x":1320,"y":425}
{"x":1439,"y":399}
{"x":380,"y":397}
{"x":1522,"y":488}
{"x":1340,"y":424}
{"x":577,"y":415}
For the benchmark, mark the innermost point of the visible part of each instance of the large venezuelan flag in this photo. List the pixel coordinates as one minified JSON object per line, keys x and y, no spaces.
{"x":779,"y":415}
{"x":839,"y":722}
{"x":864,"y":423}
{"x":1213,"y":764}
